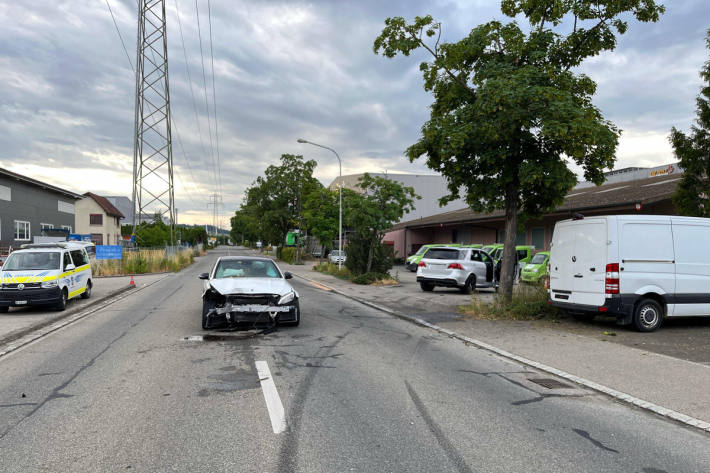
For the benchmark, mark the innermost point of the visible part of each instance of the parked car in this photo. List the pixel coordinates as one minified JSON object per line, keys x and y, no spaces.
{"x":490,"y":249}
{"x":248,"y":292}
{"x":464,"y":268}
{"x":45,"y":274}
{"x":536,"y":270}
{"x":412,"y":262}
{"x":336,"y":257}
{"x":639,"y":268}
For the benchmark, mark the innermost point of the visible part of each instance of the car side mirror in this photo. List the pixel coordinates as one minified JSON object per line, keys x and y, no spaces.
{"x":205,"y":276}
{"x":69,"y":267}
{"x":288,"y":275}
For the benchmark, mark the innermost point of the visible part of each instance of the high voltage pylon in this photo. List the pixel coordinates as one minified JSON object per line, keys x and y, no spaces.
{"x":153,"y":190}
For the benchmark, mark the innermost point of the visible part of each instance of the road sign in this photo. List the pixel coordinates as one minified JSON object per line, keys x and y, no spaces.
{"x":109,"y":252}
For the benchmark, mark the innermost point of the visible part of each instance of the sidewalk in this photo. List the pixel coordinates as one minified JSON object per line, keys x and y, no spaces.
{"x":673,"y":383}
{"x":20,"y":320}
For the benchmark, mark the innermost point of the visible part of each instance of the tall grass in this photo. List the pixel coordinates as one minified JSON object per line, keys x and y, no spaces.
{"x":529,"y":302}
{"x":144,"y":261}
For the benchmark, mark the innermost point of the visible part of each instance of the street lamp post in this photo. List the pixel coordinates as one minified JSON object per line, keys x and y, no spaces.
{"x":340,"y":187}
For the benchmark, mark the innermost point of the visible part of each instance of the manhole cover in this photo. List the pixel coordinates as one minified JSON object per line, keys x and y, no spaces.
{"x":550,"y":383}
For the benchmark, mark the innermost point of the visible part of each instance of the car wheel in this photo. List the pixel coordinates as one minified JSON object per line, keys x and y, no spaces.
{"x":468,"y":286}
{"x":63,"y":300}
{"x":648,"y":315}
{"x":298,"y":317}
{"x":4,"y":309}
{"x":87,"y":293}
{"x":426,"y":286}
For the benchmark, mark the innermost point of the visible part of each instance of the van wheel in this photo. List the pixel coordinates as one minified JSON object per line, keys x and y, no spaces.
{"x":426,"y":286}
{"x":468,"y":286}
{"x":63,"y":301}
{"x":648,"y":315}
{"x":87,"y":293}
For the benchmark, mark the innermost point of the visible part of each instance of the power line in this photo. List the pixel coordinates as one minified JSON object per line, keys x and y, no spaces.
{"x":204,"y":84}
{"x":214,"y":99}
{"x":189,"y":80}
{"x":120,"y":36}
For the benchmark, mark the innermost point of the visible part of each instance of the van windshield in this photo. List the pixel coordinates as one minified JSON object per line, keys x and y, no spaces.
{"x":30,"y":260}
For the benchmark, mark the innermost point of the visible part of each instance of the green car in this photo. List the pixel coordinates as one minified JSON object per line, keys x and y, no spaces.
{"x":413,"y":261}
{"x":536,"y":270}
{"x":525,"y":253}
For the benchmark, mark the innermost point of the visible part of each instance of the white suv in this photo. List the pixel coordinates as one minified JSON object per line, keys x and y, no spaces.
{"x":464,"y":268}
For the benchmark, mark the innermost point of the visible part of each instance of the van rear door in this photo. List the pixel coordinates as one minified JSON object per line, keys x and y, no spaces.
{"x":578,"y":261}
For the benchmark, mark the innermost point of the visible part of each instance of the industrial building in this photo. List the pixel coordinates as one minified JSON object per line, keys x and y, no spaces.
{"x":629,"y":190}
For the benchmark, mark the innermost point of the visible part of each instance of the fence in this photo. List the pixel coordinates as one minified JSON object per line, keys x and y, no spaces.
{"x":146,"y":260}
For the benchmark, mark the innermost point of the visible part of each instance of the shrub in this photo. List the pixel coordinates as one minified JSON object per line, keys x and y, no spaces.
{"x":288,"y":254}
{"x":332,"y":269}
{"x":357,"y":253}
{"x":368,"y":278}
{"x":528,"y":303}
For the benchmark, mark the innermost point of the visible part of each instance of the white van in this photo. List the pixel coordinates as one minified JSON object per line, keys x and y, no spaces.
{"x":45,"y":274}
{"x":640,"y":268}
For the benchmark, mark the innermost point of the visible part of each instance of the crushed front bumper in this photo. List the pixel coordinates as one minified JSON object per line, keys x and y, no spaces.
{"x":247,"y":316}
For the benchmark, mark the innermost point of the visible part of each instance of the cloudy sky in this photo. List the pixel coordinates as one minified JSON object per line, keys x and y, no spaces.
{"x":284,"y":70}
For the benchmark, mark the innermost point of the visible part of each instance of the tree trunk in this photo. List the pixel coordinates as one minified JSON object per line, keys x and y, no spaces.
{"x":371,"y":253}
{"x":511,"y":230}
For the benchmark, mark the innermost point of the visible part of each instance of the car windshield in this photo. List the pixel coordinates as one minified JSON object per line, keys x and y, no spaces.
{"x":22,"y":261}
{"x":497,"y":253}
{"x":422,"y":250}
{"x":442,"y":253}
{"x":246,"y":268}
{"x":538,"y":259}
{"x":336,"y":253}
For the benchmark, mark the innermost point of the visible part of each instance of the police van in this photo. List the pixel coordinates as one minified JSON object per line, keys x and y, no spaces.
{"x":45,"y":274}
{"x":640,"y":268}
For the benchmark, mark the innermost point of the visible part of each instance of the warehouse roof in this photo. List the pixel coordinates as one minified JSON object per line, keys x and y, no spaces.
{"x":35,"y":182}
{"x":641,"y":191}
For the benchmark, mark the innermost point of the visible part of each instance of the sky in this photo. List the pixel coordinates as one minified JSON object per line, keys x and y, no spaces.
{"x":284,"y":70}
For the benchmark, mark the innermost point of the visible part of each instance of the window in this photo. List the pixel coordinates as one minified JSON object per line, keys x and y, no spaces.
{"x":79,"y":258}
{"x":96,"y":219}
{"x":97,"y":238}
{"x":441,"y":253}
{"x":479,"y":256}
{"x":27,"y":260}
{"x":522,"y":254}
{"x":520,"y":238}
{"x":538,"y":237}
{"x":22,"y":230}
{"x":238,"y":268}
{"x":67,"y":261}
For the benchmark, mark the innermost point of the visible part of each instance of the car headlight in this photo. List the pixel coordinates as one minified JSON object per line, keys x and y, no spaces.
{"x":287,"y":298}
{"x":48,"y":284}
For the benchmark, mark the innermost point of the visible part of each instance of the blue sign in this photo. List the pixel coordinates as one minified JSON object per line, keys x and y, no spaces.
{"x":79,"y":237}
{"x":109,"y":252}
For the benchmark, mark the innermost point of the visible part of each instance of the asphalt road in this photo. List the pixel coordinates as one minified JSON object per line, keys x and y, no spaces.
{"x":133,"y":388}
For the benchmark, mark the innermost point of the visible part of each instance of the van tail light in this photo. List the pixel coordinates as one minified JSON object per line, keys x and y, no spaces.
{"x":455,"y":266}
{"x":611,"y":282}
{"x":422,"y":264}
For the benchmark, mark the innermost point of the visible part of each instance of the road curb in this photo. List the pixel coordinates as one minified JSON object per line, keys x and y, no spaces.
{"x":34,"y":333}
{"x":618,"y":395}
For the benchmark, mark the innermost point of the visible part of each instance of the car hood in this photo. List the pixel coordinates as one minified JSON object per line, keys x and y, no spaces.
{"x":251,"y":286}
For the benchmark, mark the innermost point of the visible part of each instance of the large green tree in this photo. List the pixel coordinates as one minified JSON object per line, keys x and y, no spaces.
{"x":320,"y":215}
{"x":692,"y":196}
{"x":369,"y":215}
{"x":244,"y":227}
{"x":274,"y":201}
{"x":509,"y":111}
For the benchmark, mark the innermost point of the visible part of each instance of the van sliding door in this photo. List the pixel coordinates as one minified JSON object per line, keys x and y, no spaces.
{"x":692,"y":293}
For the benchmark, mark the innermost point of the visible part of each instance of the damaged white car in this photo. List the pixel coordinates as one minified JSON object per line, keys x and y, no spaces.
{"x":248,"y":292}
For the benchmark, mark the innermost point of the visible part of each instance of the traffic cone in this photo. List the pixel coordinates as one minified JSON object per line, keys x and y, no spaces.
{"x":132,"y":283}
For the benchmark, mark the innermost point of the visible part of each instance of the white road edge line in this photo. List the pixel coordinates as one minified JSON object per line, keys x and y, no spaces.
{"x":271,"y":396}
{"x":618,"y":395}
